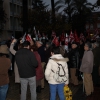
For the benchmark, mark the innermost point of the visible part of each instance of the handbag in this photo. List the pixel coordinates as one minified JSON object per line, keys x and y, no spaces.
{"x":67,"y":93}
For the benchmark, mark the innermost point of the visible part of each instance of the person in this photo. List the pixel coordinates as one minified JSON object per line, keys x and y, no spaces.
{"x":81,"y":49}
{"x":17,"y":78}
{"x":41,"y":51}
{"x":5,"y":64}
{"x":55,"y":86}
{"x":74,"y":63}
{"x":39,"y":70}
{"x":63,"y":50}
{"x":47,"y":51}
{"x":95,"y":74}
{"x":26,"y":62}
{"x":87,"y":68}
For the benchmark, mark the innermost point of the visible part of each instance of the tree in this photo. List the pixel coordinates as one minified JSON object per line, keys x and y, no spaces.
{"x":98,"y":2}
{"x":2,"y":16}
{"x":38,"y":4}
{"x":67,"y":8}
{"x":77,"y":10}
{"x":83,"y":11}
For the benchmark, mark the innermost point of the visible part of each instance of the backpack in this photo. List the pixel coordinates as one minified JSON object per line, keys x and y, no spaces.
{"x":59,"y":74}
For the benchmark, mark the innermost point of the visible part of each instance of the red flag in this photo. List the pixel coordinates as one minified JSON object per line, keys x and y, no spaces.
{"x":55,"y":41}
{"x":28,"y":37}
{"x":71,"y":37}
{"x":76,"y":37}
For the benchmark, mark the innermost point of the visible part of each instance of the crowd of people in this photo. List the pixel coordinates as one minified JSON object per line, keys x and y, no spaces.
{"x":36,"y":61}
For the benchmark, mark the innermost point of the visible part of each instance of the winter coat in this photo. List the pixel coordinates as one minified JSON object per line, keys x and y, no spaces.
{"x":87,"y":62}
{"x":41,"y":52}
{"x":26,"y":62}
{"x":5,"y":64}
{"x":96,"y":53}
{"x":17,"y":78}
{"x":39,"y":70}
{"x":52,"y":65}
{"x":74,"y":58}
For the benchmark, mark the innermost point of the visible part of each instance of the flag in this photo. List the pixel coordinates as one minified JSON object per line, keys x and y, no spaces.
{"x":71,"y":37}
{"x":28,"y":37}
{"x":66,"y":42}
{"x":23,"y":38}
{"x":56,"y":41}
{"x":76,"y":36}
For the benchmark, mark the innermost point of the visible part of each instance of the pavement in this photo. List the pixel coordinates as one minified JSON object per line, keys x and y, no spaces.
{"x":77,"y":92}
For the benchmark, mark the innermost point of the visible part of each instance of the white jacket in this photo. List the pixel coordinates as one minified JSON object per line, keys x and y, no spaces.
{"x":52,"y":65}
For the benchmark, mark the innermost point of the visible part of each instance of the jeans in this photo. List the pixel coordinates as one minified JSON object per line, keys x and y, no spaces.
{"x":54,"y":88}
{"x":32,"y":84}
{"x":3,"y":92}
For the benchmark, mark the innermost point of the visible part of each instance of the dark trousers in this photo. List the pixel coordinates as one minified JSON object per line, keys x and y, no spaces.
{"x":95,"y":75}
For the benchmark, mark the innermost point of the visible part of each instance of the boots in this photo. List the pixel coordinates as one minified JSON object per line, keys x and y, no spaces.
{"x":38,"y":89}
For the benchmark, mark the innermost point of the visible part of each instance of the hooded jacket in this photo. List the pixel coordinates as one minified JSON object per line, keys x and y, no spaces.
{"x":52,"y":65}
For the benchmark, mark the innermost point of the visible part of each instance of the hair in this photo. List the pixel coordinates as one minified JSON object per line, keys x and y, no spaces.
{"x":33,"y":47}
{"x":88,"y":44}
{"x":96,"y":44}
{"x":26,"y":43}
{"x":55,"y":50}
{"x":20,"y":46}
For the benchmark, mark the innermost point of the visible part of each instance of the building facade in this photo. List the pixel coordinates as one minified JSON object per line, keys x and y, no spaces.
{"x":13,"y":10}
{"x":94,"y":23}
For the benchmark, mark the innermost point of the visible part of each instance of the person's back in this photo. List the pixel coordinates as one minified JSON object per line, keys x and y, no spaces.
{"x":5,"y":64}
{"x":27,"y":63}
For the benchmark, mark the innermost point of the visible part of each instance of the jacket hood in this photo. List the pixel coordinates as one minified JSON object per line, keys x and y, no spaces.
{"x":59,"y":57}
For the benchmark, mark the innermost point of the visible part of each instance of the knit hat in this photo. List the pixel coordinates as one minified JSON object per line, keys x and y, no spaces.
{"x":88,"y":44}
{"x":4,"y":49}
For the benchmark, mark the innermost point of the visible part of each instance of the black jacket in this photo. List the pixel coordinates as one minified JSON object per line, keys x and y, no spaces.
{"x":74,"y":58}
{"x":26,"y":62}
{"x":41,"y":52}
